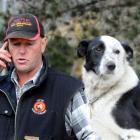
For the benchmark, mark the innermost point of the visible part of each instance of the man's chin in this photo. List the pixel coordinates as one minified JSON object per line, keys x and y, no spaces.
{"x":22,"y":69}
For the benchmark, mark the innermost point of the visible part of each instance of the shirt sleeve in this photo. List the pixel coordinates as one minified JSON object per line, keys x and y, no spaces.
{"x":77,"y":118}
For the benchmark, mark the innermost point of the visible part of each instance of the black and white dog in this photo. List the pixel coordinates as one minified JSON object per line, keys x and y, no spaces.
{"x":112,"y":88}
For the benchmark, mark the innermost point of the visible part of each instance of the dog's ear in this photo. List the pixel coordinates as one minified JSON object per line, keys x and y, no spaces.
{"x":82,"y":48}
{"x":128,"y":50}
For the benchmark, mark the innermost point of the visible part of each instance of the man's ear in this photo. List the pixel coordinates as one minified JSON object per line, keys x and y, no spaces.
{"x":43,"y":44}
{"x":82,"y":48}
{"x":128,"y":50}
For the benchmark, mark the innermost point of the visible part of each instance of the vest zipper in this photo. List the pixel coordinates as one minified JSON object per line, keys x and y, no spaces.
{"x":16,"y":118}
{"x":16,"y":112}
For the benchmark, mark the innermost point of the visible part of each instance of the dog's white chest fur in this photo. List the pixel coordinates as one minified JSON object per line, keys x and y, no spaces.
{"x":101,"y":118}
{"x":102,"y":101}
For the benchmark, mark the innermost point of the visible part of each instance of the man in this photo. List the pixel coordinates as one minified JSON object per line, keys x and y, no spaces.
{"x":36,"y":102}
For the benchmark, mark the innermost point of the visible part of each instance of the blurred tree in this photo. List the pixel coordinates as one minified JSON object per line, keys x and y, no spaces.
{"x":60,"y":53}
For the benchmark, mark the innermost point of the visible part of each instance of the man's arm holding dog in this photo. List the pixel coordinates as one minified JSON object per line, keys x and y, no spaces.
{"x":77,"y":118}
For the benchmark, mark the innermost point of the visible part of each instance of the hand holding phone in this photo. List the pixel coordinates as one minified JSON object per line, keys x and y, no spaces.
{"x":5,"y":56}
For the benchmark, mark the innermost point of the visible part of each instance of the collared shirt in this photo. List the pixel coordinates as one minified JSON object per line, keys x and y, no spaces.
{"x":76,"y":116}
{"x":28,"y":84}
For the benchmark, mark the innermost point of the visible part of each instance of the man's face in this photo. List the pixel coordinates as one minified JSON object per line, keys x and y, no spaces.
{"x":26,"y":54}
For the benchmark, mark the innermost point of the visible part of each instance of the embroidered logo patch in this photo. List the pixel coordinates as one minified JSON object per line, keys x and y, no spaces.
{"x":21,"y":22}
{"x":39,"y":107}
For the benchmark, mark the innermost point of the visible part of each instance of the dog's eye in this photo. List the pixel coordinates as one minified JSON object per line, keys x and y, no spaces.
{"x":116,"y":51}
{"x":98,"y":49}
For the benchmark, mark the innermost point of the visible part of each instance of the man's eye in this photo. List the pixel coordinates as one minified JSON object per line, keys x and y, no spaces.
{"x":28,"y":44}
{"x":17,"y":44}
{"x":116,"y":51}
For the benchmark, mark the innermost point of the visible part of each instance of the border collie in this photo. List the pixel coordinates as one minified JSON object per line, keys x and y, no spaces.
{"x":112,"y":88}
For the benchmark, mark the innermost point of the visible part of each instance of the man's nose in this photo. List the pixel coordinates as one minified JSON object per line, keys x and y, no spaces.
{"x":22,"y":49}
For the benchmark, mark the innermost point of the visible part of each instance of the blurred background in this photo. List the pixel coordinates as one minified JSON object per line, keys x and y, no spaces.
{"x":67,"y":22}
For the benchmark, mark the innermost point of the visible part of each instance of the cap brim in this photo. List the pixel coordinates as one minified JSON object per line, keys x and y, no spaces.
{"x":24,"y":35}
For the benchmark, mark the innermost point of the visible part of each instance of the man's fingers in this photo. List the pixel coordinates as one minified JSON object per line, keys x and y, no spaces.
{"x":5,"y":52}
{"x":4,"y":57}
{"x":4,"y":45}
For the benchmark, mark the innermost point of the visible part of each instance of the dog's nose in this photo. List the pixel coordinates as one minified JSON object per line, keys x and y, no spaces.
{"x":111,"y":66}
